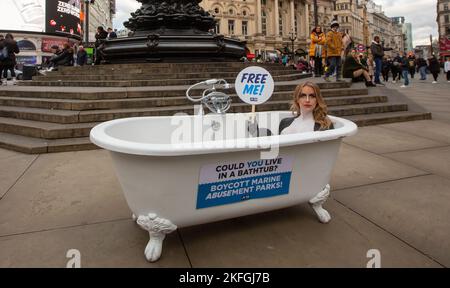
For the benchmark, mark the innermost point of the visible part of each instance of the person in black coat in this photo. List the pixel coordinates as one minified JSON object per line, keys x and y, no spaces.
{"x":100,"y":37}
{"x":65,"y":58}
{"x":435,"y":69}
{"x":2,"y":45}
{"x":10,"y":62}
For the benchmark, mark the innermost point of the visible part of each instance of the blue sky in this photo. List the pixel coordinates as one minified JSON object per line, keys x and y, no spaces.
{"x":421,"y":13}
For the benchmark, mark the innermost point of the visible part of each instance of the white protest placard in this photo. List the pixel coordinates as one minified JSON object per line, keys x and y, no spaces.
{"x":234,"y":182}
{"x":254,"y":85}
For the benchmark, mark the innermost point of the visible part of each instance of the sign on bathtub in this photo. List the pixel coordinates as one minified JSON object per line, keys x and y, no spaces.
{"x":254,"y":85}
{"x":228,"y":183}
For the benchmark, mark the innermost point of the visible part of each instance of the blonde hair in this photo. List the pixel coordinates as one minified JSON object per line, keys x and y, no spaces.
{"x":319,"y":112}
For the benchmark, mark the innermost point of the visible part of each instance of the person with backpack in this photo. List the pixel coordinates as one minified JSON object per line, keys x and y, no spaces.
{"x":9,"y":49}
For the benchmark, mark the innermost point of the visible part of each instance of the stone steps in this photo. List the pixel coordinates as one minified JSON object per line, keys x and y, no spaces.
{"x":33,"y":145}
{"x":48,"y":115}
{"x":33,"y":124}
{"x":82,"y":105}
{"x":139,"y":74}
{"x":64,"y":93}
{"x":68,"y":81}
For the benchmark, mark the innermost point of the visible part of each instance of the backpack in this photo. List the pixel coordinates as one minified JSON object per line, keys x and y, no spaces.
{"x":4,"y":53}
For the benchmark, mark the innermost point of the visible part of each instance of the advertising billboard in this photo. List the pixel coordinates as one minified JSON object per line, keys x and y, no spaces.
{"x":63,"y":17}
{"x":23,"y":15}
{"x":50,"y":16}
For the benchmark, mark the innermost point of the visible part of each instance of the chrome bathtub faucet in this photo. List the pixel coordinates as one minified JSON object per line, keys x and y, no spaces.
{"x":217,"y":102}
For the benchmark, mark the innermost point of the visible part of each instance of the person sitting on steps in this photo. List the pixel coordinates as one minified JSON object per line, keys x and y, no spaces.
{"x":355,"y":70}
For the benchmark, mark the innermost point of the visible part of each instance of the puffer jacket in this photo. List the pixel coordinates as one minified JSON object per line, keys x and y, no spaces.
{"x":334,"y":44}
{"x":317,"y":39}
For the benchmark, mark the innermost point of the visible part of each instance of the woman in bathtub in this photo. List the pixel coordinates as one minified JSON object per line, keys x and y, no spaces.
{"x":310,"y":111}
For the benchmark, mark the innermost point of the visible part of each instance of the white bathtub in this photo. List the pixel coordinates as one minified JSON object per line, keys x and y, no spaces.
{"x":161,"y":179}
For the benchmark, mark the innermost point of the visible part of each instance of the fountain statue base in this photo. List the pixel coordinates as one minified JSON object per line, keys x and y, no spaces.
{"x":172,"y":47}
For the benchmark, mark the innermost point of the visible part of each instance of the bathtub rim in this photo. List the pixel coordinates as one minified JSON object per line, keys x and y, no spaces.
{"x":99,"y":137}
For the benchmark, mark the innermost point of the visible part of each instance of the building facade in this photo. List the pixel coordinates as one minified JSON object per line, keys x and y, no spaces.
{"x":443,"y":21}
{"x":101,"y":13}
{"x":349,"y":15}
{"x":268,"y":26}
{"x":271,"y":25}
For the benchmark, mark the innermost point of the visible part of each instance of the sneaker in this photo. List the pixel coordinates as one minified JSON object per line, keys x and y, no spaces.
{"x":326,"y":79}
{"x":4,"y":82}
{"x":394,"y":81}
{"x":370,"y":84}
{"x":14,"y":81}
{"x":434,"y":82}
{"x":403,"y":86}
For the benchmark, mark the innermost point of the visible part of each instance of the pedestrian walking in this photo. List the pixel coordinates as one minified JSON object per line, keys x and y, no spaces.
{"x":422,"y":68}
{"x":377,"y":50}
{"x":3,"y":55}
{"x":412,"y":64}
{"x":396,"y":68}
{"x":9,"y":50}
{"x":334,"y":50}
{"x":447,"y":68}
{"x":386,"y":66}
{"x":433,"y":65}
{"x":404,"y":69}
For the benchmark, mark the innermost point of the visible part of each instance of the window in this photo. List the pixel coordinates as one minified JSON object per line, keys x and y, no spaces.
{"x":295,"y":24}
{"x":231,"y":27}
{"x":230,"y":11}
{"x":217,"y":27}
{"x":346,"y":19}
{"x":264,"y":23}
{"x":280,"y":24}
{"x":244,"y":13}
{"x":216,"y":10}
{"x":244,"y":28}
{"x":445,"y":7}
{"x":263,"y":2}
{"x":280,"y":3}
{"x":446,"y":19}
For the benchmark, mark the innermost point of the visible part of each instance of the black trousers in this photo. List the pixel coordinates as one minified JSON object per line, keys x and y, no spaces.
{"x":5,"y":69}
{"x":435,"y":75}
{"x":318,"y":68}
{"x":448,"y":75}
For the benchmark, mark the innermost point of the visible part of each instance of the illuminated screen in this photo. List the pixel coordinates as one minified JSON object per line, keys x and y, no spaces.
{"x":51,"y":16}
{"x":63,"y":17}
{"x":23,"y":15}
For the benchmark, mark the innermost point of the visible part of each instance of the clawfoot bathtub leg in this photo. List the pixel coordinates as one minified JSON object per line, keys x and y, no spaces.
{"x":317,"y":202}
{"x":157,"y":229}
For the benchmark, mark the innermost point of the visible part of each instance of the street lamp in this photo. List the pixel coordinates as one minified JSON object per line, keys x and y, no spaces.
{"x":292,"y":37}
